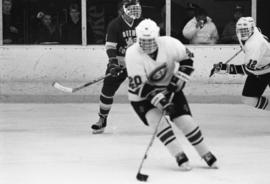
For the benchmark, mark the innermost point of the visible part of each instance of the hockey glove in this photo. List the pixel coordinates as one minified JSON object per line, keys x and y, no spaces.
{"x":230,"y":68}
{"x":160,"y":101}
{"x":220,"y":67}
{"x":175,"y":84}
{"x":180,"y":78}
{"x":114,"y":68}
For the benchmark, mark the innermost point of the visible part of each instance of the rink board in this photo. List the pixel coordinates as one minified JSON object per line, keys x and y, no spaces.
{"x":27,"y":73}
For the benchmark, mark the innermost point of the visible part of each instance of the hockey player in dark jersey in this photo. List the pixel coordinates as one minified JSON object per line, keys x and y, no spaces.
{"x":120,"y":35}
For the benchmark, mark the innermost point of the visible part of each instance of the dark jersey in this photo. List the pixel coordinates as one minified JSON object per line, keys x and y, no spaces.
{"x":121,"y":34}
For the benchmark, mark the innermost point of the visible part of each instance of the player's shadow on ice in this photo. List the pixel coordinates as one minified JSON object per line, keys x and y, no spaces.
{"x":194,"y":168}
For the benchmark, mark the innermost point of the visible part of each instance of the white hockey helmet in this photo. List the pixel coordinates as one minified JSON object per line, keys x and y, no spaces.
{"x":147,"y":31}
{"x":132,"y":8}
{"x":245,"y":28}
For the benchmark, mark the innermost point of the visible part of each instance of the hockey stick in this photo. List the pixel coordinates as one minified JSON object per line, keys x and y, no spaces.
{"x":72,"y":90}
{"x":213,"y":70}
{"x":140,"y":176}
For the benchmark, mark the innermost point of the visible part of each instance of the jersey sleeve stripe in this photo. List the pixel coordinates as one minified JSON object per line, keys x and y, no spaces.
{"x":110,"y":45}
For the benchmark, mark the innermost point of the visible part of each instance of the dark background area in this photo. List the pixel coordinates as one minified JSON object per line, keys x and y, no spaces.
{"x":101,"y":12}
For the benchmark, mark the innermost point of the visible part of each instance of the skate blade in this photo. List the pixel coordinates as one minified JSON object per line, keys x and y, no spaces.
{"x":100,"y":131}
{"x":185,"y":167}
{"x":214,"y":166}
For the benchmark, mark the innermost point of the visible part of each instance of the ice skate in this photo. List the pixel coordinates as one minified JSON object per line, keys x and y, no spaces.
{"x":183,"y":162}
{"x":99,"y":127}
{"x":211,"y":160}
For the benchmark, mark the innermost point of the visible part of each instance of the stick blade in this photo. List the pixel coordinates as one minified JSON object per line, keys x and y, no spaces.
{"x":62,"y":88}
{"x":212,"y":72}
{"x":142,"y":177}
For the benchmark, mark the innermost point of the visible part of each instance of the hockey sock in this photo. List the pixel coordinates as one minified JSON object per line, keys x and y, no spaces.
{"x":168,"y":138}
{"x":263,"y":103}
{"x":105,"y":105}
{"x":196,"y":139}
{"x":165,"y":132}
{"x":192,"y":132}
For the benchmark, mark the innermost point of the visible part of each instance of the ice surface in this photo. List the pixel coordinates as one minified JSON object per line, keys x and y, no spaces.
{"x":52,"y":144}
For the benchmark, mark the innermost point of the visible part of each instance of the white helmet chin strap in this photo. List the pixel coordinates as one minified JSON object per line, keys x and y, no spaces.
{"x":239,"y":40}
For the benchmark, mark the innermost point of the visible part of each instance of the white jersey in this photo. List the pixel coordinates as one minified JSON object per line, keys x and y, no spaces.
{"x":257,"y":54}
{"x":139,"y":64}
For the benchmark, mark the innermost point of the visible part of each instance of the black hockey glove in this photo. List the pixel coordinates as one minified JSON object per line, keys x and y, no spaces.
{"x":220,"y":68}
{"x":159,"y":100}
{"x":114,"y":68}
{"x":229,"y":68}
{"x":175,"y":84}
{"x":180,"y":78}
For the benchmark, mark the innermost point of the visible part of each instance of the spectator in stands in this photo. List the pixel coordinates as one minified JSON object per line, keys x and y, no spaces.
{"x":229,"y":33}
{"x":48,"y":32}
{"x":200,"y":29}
{"x":12,"y":32}
{"x":190,"y":10}
{"x":72,"y":29}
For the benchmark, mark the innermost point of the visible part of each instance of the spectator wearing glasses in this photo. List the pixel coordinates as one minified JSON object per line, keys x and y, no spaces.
{"x":201,"y":29}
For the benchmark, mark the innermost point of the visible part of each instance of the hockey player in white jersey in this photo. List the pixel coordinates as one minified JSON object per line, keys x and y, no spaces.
{"x":256,"y":63}
{"x":158,"y":66}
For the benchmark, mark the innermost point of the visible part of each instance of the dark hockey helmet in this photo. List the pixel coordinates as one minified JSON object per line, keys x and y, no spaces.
{"x":132,"y":8}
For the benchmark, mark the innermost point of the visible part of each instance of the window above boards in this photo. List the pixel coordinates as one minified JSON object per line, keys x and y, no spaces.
{"x":84,"y":22}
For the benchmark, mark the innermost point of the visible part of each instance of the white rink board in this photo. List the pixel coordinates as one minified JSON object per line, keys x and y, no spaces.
{"x":30,"y":70}
{"x":70,"y":63}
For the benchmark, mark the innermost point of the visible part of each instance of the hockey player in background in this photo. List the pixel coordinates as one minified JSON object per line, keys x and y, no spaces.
{"x":158,"y":66}
{"x":120,"y":35}
{"x":256,"y":63}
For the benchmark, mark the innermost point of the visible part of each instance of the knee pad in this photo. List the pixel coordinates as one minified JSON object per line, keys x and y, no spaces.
{"x":185,"y":123}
